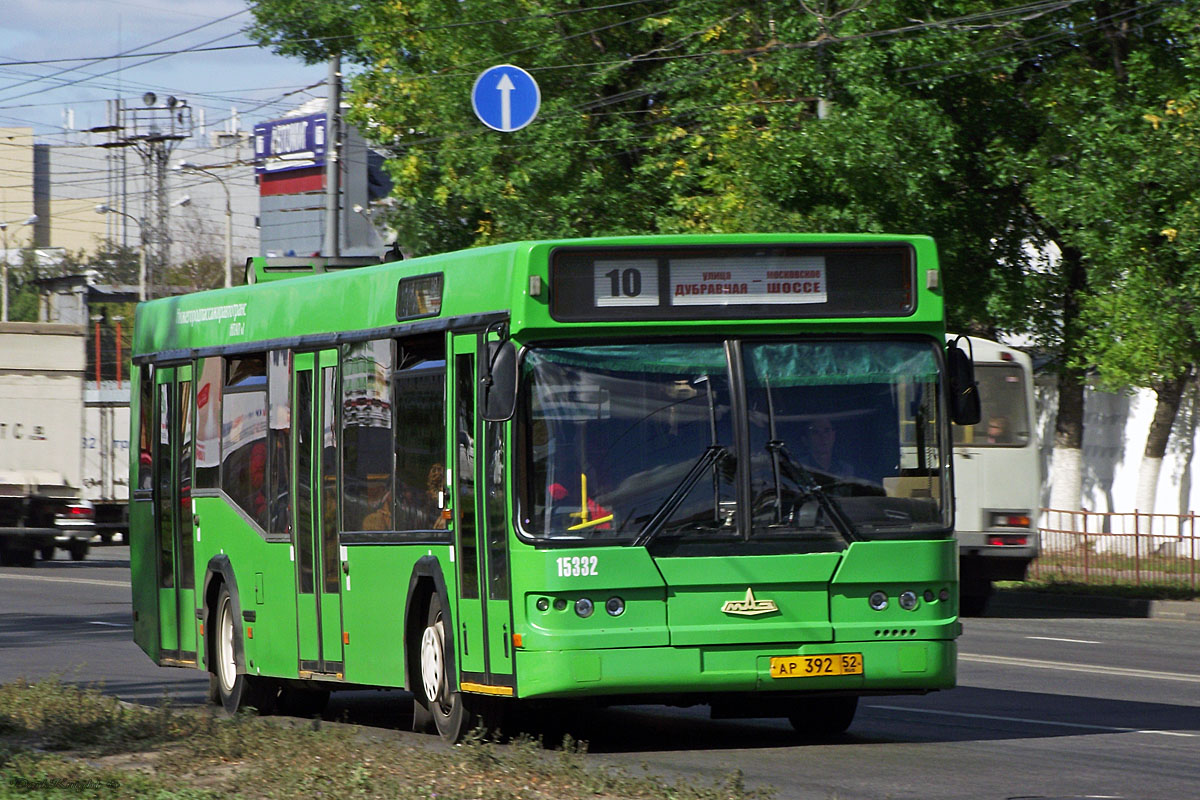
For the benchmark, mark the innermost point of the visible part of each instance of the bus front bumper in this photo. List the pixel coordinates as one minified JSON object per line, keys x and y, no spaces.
{"x":898,"y":666}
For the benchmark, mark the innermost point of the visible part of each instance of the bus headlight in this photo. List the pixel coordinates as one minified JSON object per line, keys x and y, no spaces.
{"x":584,"y":607}
{"x":878,"y":600}
{"x":908,"y":600}
{"x":615,"y":606}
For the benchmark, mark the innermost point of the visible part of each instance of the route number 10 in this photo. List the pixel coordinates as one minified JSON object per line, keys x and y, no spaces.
{"x":619,"y":284}
{"x":627,"y":282}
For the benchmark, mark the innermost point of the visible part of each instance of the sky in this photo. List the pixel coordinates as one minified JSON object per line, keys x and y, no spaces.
{"x":258,"y":83}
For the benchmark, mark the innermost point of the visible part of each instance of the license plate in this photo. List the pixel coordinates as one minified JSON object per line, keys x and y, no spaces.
{"x":816,"y":666}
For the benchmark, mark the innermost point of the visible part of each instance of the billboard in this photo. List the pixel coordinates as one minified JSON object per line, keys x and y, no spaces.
{"x":287,"y":144}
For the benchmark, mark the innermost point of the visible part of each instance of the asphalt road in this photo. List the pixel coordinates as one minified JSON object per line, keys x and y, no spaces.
{"x":1049,"y":707}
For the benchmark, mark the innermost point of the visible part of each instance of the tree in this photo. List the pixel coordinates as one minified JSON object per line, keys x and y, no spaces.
{"x":1104,"y":182}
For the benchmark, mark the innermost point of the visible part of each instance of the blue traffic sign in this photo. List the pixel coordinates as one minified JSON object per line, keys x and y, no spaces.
{"x":505,"y":98}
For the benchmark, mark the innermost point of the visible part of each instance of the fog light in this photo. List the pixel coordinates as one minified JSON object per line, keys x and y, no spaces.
{"x":615,"y":606}
{"x":944,"y":595}
{"x":878,"y":601}
{"x":543,"y":604}
{"x":908,"y":600}
{"x":584,"y":607}
{"x":560,"y":605}
{"x":929,"y":595}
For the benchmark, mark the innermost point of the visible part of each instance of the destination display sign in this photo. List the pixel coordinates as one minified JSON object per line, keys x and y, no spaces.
{"x":591,"y":284}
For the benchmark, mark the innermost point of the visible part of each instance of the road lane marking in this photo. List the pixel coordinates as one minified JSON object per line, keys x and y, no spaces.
{"x":107,"y":624}
{"x":1027,"y":721}
{"x":1057,"y":639}
{"x":48,"y":579}
{"x":1095,"y":669}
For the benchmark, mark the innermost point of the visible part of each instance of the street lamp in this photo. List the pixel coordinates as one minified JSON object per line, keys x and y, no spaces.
{"x":4,"y":278}
{"x":187,"y":166}
{"x":104,"y":208}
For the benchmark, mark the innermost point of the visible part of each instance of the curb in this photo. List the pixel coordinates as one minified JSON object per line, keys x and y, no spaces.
{"x":1007,"y":603}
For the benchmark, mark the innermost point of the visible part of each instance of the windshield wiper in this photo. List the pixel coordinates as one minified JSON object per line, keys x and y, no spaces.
{"x":713,"y":454}
{"x":808,"y":484}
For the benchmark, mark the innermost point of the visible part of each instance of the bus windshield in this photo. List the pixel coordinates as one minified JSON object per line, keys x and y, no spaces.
{"x":834,"y":440}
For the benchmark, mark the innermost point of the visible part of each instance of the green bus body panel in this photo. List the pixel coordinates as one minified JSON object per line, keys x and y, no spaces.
{"x":700,"y":588}
{"x":895,"y":567}
{"x":271,"y":597}
{"x":625,"y":572}
{"x":888,"y":666}
{"x":373,"y":609}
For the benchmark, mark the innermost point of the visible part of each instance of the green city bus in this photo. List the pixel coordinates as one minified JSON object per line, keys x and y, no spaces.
{"x":690,"y":469}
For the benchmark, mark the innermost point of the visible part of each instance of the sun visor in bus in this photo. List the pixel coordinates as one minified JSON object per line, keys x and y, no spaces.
{"x":965,"y":407}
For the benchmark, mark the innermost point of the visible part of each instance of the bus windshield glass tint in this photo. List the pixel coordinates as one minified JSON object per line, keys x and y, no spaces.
{"x":612,"y":432}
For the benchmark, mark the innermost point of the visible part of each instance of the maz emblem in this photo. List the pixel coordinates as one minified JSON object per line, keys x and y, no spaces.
{"x":749,"y":607}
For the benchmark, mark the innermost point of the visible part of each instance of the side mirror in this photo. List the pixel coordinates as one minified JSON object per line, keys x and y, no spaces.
{"x":964,"y":391}
{"x":498,"y":382}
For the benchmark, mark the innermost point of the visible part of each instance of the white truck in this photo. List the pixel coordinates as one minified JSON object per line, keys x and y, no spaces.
{"x":42,"y":506}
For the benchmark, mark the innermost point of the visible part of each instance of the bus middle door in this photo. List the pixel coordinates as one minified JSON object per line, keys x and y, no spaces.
{"x":318,"y":561}
{"x":173,"y":508}
{"x":484,"y":624}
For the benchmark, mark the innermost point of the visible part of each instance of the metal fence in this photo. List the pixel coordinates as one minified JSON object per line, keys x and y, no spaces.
{"x":1118,"y":548}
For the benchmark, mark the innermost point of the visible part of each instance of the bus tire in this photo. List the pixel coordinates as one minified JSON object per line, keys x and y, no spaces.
{"x":236,"y":690}
{"x":447,"y":708}
{"x":822,"y":717}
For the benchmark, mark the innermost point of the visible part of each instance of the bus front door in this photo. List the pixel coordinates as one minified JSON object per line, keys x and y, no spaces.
{"x":173,"y":515}
{"x":484,"y":623}
{"x":315,"y":534}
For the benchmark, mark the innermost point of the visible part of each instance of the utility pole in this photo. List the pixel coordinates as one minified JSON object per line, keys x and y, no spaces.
{"x":333,"y":140}
{"x":153,"y":131}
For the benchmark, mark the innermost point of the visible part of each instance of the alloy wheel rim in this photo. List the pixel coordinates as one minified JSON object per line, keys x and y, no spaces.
{"x":226,"y":665}
{"x":432,"y":668}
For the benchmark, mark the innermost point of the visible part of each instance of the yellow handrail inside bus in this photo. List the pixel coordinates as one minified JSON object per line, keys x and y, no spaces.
{"x":582,"y":513}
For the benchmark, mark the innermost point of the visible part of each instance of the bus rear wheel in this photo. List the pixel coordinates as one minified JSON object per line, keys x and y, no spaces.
{"x":821,"y":717}
{"x":449,"y":711}
{"x":235,"y":690}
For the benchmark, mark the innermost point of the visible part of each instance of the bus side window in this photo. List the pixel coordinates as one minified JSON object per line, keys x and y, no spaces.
{"x":279,"y":439}
{"x":208,"y":423}
{"x":244,"y":435}
{"x":145,"y":472}
{"x":420,"y":434}
{"x":367,"y":436}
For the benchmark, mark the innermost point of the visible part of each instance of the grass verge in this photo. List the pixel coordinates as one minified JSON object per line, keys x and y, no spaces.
{"x":60,"y":741}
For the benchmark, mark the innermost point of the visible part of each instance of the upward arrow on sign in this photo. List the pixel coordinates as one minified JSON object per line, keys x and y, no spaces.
{"x":505,"y":87}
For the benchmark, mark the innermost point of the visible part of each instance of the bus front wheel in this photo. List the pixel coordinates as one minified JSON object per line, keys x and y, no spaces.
{"x":449,"y":712}
{"x":236,"y":690}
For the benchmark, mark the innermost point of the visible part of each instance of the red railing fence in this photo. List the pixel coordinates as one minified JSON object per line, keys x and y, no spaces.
{"x":1100,"y":548}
